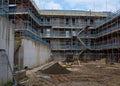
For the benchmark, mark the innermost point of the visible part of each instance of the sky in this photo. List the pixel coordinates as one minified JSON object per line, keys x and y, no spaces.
{"x":84,"y":5}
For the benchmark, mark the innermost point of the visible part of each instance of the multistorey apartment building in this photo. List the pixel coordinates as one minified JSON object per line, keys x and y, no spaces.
{"x":87,"y":34}
{"x":69,"y":32}
{"x":30,"y":50}
{"x":107,"y":43}
{"x":26,"y":18}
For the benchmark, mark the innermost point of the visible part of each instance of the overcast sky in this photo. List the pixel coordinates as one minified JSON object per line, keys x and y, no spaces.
{"x":86,"y":5}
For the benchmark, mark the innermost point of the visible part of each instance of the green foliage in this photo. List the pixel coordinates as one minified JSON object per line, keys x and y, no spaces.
{"x":17,"y":38}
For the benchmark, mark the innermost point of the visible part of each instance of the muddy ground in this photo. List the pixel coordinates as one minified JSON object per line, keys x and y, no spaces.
{"x":87,"y":74}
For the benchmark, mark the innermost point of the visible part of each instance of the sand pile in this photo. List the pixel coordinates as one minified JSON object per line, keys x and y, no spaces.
{"x":55,"y":68}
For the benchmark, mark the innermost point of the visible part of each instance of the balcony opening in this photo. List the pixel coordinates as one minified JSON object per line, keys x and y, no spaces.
{"x":48,"y":20}
{"x":48,"y":41}
{"x":41,"y":20}
{"x":73,"y":21}
{"x":41,"y":30}
{"x":74,"y":42}
{"x":85,"y":20}
{"x":91,"y":21}
{"x":48,"y":32}
{"x":67,"y":34}
{"x":67,"y":21}
{"x":73,"y":33}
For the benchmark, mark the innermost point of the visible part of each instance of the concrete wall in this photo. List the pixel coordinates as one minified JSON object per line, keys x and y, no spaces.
{"x":33,"y":53}
{"x":7,"y":43}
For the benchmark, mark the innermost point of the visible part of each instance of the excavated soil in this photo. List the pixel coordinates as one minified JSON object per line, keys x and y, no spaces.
{"x":56,"y":68}
{"x":88,"y":74}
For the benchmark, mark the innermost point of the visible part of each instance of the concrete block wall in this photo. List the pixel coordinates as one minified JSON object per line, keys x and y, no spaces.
{"x":6,"y":43}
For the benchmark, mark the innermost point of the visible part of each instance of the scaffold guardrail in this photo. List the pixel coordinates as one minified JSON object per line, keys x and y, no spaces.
{"x":113,"y":15}
{"x":32,"y":34}
{"x":4,"y":9}
{"x":27,"y":10}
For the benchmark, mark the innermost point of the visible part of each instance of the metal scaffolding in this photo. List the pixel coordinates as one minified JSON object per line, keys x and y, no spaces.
{"x":58,"y":31}
{"x":24,"y":14}
{"x":4,"y":8}
{"x":68,"y":32}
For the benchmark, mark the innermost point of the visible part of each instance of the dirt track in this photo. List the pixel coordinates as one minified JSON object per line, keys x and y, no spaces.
{"x":88,"y":74}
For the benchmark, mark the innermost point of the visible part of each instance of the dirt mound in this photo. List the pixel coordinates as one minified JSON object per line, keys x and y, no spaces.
{"x":56,"y":68}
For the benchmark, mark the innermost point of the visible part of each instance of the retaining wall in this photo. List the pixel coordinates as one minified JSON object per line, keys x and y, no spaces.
{"x":7,"y":44}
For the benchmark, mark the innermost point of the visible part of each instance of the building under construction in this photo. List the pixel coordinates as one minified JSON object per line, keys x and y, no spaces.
{"x":87,"y":34}
{"x":84,"y":33}
{"x":44,"y":35}
{"x":90,"y":35}
{"x":25,"y":15}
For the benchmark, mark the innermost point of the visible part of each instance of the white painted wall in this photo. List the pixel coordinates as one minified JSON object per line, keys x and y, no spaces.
{"x":35,"y":53}
{"x":7,"y":43}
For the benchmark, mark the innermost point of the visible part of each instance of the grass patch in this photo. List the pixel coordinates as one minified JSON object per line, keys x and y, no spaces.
{"x":17,"y":38}
{"x":24,"y":79}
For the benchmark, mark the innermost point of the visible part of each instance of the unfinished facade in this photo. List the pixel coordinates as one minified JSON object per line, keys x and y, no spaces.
{"x":68,"y":32}
{"x":107,"y":38}
{"x":30,"y":49}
